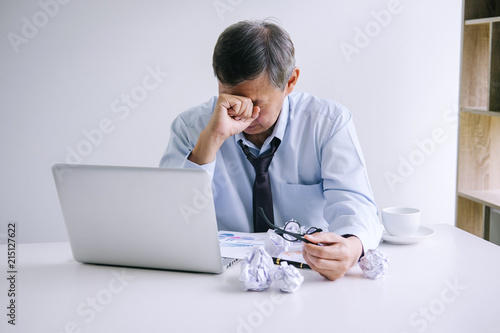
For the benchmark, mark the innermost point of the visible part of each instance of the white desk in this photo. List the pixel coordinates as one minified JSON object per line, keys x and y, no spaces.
{"x":57,"y":294}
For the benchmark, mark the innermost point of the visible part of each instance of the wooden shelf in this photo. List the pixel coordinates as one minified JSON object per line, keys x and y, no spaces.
{"x":481,"y":110}
{"x":490,"y":198}
{"x":478,"y":167}
{"x":483,"y":20}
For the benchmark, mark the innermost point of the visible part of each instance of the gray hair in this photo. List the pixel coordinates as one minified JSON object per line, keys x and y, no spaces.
{"x":248,"y":49}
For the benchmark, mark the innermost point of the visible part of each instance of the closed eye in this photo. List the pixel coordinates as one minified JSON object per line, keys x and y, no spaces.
{"x":259,"y":103}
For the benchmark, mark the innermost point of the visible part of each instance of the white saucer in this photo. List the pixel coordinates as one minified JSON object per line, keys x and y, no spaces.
{"x":422,"y":232}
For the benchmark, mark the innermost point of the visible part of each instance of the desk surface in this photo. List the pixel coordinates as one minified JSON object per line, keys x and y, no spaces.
{"x":449,"y":282}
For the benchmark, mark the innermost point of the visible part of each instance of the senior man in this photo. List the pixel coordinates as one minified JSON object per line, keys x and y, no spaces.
{"x":295,"y":155}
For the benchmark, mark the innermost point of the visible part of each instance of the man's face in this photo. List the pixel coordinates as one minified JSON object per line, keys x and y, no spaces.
{"x":264,"y":95}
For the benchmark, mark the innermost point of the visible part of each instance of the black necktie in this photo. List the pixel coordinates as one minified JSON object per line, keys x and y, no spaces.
{"x":262,"y":196}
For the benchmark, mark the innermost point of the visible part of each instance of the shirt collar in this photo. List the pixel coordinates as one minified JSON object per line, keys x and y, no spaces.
{"x":278,"y":131}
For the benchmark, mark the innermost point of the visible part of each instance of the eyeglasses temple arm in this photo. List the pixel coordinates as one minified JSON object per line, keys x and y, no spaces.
{"x":260,"y":210}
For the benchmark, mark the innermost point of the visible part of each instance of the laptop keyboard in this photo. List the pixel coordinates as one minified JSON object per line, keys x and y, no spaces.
{"x":228,"y":262}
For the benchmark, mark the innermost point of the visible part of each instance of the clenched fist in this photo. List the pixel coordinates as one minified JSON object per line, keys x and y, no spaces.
{"x":232,"y":115}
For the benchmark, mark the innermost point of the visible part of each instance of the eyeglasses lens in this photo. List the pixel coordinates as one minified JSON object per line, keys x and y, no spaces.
{"x":291,"y":226}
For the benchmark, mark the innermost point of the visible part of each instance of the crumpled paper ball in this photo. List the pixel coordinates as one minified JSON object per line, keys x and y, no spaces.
{"x":288,"y":278}
{"x":275,"y":244}
{"x":374,"y":264}
{"x":257,"y":270}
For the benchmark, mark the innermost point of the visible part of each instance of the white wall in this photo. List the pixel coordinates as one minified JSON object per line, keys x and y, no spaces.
{"x":70,"y":74}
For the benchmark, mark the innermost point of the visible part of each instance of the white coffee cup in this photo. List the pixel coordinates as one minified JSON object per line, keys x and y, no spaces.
{"x":401,"y":221}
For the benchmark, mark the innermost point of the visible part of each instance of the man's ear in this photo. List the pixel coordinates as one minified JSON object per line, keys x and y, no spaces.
{"x":292,"y":81}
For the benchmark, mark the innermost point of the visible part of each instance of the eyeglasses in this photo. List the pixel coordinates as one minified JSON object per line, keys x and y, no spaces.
{"x":292,"y":229}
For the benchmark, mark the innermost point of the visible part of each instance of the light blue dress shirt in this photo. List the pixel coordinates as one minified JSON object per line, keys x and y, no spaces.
{"x":318,"y":174}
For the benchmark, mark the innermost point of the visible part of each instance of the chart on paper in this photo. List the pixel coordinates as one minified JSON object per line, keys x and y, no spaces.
{"x":238,"y":244}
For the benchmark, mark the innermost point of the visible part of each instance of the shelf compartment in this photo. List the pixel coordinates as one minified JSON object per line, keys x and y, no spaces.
{"x":478,"y":153}
{"x":490,"y":198}
{"x":482,"y":111}
{"x":475,"y":75}
{"x":470,"y":216}
{"x":481,"y":9}
{"x":494,"y":103}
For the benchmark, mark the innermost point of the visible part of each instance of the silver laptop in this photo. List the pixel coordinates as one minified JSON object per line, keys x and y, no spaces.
{"x":140,"y":217}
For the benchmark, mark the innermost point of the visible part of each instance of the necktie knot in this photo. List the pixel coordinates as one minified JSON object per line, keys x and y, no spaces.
{"x":261,"y":163}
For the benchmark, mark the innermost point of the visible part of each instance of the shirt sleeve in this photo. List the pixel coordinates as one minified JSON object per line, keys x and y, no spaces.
{"x":350,"y":207}
{"x":181,"y":143}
